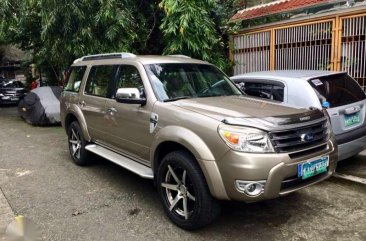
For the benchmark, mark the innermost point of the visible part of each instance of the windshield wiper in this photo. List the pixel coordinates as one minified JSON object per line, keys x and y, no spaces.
{"x":177,"y":98}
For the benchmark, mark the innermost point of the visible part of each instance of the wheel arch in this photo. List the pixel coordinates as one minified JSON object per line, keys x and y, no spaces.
{"x":74,"y":114}
{"x":173,"y":138}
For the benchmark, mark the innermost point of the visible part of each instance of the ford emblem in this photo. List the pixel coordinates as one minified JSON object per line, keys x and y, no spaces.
{"x":307,"y":137}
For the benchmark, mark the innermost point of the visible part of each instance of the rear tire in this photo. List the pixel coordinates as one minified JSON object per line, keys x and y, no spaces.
{"x":76,"y":141}
{"x":184,"y":193}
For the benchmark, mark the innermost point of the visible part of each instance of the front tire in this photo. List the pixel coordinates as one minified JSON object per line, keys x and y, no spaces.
{"x":76,"y":141}
{"x":184,"y":192}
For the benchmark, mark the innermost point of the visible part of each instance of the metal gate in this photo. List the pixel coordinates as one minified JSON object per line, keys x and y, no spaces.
{"x":252,"y":52}
{"x":337,"y":43}
{"x":304,"y":46}
{"x":352,"y":47}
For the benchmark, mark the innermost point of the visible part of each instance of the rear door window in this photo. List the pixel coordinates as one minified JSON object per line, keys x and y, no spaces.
{"x":272,"y":91}
{"x":99,"y":80}
{"x":337,"y":90}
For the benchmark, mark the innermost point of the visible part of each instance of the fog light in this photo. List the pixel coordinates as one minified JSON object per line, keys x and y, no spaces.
{"x":251,"y":188}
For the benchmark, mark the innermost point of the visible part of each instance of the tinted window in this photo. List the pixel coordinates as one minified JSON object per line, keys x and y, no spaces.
{"x":171,"y":81}
{"x":74,"y":78}
{"x":338,"y":90}
{"x":129,"y":77}
{"x":263,"y":90}
{"x":19,"y":84}
{"x":98,"y":80}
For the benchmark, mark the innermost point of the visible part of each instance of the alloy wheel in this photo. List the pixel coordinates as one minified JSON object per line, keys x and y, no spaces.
{"x":179,"y":192}
{"x":75,"y":143}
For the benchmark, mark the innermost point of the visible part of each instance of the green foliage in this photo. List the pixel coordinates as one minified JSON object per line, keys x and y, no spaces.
{"x":75,"y":28}
{"x":188,"y":29}
{"x":58,"y":31}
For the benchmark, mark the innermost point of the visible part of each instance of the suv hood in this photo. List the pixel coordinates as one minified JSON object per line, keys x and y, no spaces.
{"x":222,"y":107}
{"x":235,"y":109}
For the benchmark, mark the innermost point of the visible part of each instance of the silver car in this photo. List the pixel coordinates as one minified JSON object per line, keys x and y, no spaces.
{"x":336,"y":92}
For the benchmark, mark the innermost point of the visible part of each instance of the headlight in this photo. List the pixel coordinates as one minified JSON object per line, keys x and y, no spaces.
{"x":245,"y":139}
{"x":1,"y":95}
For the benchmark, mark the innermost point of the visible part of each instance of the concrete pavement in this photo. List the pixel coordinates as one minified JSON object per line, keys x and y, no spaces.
{"x":6,"y":213}
{"x":106,"y":202}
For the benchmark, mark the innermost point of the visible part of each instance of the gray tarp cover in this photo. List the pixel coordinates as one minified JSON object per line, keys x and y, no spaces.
{"x":41,"y":106}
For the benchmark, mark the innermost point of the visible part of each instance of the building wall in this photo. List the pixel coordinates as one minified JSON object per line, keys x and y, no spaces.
{"x":335,"y":42}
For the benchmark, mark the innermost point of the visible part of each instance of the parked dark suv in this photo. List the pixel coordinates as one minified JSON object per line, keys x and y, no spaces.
{"x":12,"y":91}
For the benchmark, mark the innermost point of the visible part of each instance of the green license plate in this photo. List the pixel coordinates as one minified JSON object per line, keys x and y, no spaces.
{"x":312,"y":168}
{"x":352,"y":119}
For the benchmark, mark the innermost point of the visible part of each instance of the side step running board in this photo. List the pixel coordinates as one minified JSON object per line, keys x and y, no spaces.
{"x":139,"y":169}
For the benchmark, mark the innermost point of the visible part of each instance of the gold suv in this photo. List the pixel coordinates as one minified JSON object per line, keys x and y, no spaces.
{"x":184,"y":124}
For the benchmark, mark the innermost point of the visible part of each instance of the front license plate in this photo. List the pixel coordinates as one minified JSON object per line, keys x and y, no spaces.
{"x":312,"y":168}
{"x":352,"y":119}
{"x":14,"y":98}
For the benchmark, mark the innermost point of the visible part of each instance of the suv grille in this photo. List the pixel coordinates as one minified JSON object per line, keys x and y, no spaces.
{"x":299,"y":138}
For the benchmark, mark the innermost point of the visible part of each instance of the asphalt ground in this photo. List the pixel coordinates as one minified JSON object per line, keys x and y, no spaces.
{"x":106,"y":202}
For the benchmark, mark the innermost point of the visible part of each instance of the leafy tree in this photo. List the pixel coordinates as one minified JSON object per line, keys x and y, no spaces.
{"x":188,"y":28}
{"x":76,"y":28}
{"x":58,"y":31}
{"x":199,"y":28}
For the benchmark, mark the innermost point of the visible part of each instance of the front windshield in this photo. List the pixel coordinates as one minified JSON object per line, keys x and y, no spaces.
{"x":180,"y":81}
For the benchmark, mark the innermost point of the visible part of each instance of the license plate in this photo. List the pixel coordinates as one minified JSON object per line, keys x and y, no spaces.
{"x":352,"y":119}
{"x":312,"y":168}
{"x":14,"y":98}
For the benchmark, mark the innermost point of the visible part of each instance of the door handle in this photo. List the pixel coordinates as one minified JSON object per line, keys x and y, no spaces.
{"x":82,"y":103}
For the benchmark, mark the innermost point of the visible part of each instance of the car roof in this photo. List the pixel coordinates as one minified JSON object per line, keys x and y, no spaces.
{"x":287,"y":74}
{"x":144,"y":59}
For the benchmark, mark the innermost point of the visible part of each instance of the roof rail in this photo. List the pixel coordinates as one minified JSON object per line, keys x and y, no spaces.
{"x":179,"y":55}
{"x":121,"y":55}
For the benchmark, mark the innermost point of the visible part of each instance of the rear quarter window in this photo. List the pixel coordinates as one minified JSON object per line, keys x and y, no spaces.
{"x":74,"y":78}
{"x":338,"y":90}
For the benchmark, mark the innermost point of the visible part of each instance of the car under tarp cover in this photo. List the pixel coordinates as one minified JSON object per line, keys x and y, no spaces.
{"x":41,"y":106}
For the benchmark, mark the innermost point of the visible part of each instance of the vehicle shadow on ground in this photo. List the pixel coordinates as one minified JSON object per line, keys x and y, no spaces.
{"x":235,"y":215}
{"x":8,"y":104}
{"x":353,"y":166}
{"x":104,"y":198}
{"x":8,"y":108}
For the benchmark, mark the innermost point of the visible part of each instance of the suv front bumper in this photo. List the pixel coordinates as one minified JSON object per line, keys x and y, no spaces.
{"x":277,"y":171}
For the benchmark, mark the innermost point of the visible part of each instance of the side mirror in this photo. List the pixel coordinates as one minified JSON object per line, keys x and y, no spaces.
{"x":129,"y":96}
